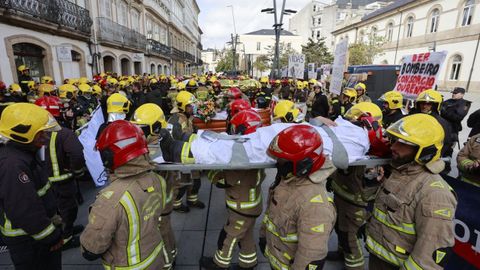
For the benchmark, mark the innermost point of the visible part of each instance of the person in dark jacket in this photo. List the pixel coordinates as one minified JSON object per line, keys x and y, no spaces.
{"x":156,"y":95}
{"x":392,"y":107}
{"x":454,"y":110}
{"x":23,"y":78}
{"x":320,"y":105}
{"x":473,"y":122}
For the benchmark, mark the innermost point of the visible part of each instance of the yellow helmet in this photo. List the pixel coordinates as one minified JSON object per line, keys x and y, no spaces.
{"x":83,"y":80}
{"x":285,"y":110}
{"x":364,"y":109}
{"x":300,"y":85}
{"x":153,"y":81}
{"x":430,"y":96}
{"x":350,"y":93}
{"x":213,"y":79}
{"x":64,"y":89}
{"x":73,"y":81}
{"x":421,"y":130}
{"x":85,"y":88}
{"x":20,"y":122}
{"x":361,"y":86}
{"x":14,"y":88}
{"x":312,"y":81}
{"x":97,"y":90}
{"x":46,"y":79}
{"x":278,"y":82}
{"x":181,"y":86}
{"x":192,"y":83}
{"x":263,"y":79}
{"x":394,"y":99}
{"x":150,"y":114}
{"x":31,"y":85}
{"x":123,"y":84}
{"x":183,"y":99}
{"x":45,"y":88}
{"x":22,"y":68}
{"x":118,"y":103}
{"x":112,"y":81}
{"x":305,"y":84}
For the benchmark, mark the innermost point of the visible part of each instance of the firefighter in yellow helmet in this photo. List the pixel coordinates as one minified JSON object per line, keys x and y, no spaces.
{"x":29,"y":224}
{"x":24,"y":77}
{"x":47,"y":79}
{"x":286,"y":112}
{"x":362,"y":96}
{"x":192,"y":86}
{"x":85,"y":99}
{"x":347,"y":100}
{"x":300,"y":96}
{"x":412,"y":221}
{"x":15,"y":93}
{"x":151,"y":119}
{"x":182,"y":123}
{"x":392,"y":107}
{"x":46,"y":90}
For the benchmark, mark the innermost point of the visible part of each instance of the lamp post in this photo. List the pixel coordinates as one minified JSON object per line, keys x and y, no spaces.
{"x":277,"y":26}
{"x":234,"y":41}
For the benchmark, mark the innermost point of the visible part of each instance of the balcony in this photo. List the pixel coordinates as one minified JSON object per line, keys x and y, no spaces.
{"x":177,"y":54}
{"x":157,"y":48}
{"x":118,"y":35}
{"x":188,"y":57}
{"x":62,"y":16}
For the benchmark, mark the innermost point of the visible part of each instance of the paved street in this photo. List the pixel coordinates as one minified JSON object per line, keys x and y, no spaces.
{"x":198,"y":230}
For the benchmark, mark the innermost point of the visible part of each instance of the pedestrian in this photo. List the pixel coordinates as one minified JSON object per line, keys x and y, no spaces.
{"x":454,"y":110}
{"x":299,"y":216}
{"x":243,"y":199}
{"x":29,"y":224}
{"x":124,"y":221}
{"x":468,"y":161}
{"x":412,"y":222}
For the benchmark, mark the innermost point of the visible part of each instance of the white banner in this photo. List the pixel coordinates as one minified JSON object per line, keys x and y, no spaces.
{"x":64,"y":53}
{"x":92,"y":157}
{"x":339,"y":67}
{"x":419,"y":72}
{"x":312,"y":71}
{"x":296,"y":66}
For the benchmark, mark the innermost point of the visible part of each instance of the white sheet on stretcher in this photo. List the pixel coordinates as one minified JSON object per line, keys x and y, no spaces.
{"x":354,"y":139}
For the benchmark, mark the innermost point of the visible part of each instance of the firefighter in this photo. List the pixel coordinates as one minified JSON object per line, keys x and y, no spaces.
{"x":320,"y":105}
{"x":68,"y":96}
{"x":123,"y":224}
{"x":5,"y":97}
{"x":362,"y":96}
{"x":299,"y":216}
{"x":151,"y":119}
{"x":29,"y":226}
{"x":412,"y":221}
{"x":23,"y":78}
{"x":65,"y":166}
{"x":392,"y":107}
{"x":468,"y":161}
{"x":342,"y":105}
{"x":355,"y":188}
{"x":15,"y":92}
{"x":300,"y":97}
{"x":286,"y":112}
{"x":182,"y":122}
{"x":243,"y":199}
{"x":265,"y":91}
{"x":118,"y":106}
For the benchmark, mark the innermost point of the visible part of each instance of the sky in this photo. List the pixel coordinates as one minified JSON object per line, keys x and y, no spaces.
{"x":217,"y":24}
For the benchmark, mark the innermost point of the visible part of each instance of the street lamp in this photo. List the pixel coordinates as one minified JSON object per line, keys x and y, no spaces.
{"x":278,"y":29}
{"x":234,"y":41}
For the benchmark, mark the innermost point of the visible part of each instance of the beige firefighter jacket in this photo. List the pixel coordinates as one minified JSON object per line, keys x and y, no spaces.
{"x":123,"y":224}
{"x":411,"y":224}
{"x":243,"y":189}
{"x":467,"y":156}
{"x":298,"y":221}
{"x":351,"y":185}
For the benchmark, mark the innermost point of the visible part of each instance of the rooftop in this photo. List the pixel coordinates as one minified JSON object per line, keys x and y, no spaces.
{"x":269,"y":32}
{"x":392,"y":6}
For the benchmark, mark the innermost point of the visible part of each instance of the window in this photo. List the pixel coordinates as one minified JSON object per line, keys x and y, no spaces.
{"x":409,"y":27}
{"x":149,"y":29}
{"x":313,"y":34}
{"x":314,"y":8}
{"x":468,"y":12}
{"x":135,"y":20}
{"x":122,"y":15}
{"x":31,"y":55}
{"x":319,"y":20}
{"x":156,"y":32}
{"x":258,"y":46}
{"x":434,"y":21}
{"x":456,"y":65}
{"x":374,"y":31}
{"x":105,"y":8}
{"x":389,"y":32}
{"x":318,"y":34}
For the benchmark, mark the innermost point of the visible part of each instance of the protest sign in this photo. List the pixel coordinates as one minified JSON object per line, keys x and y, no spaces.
{"x":339,"y":67}
{"x":296,"y":65}
{"x":419,"y":72}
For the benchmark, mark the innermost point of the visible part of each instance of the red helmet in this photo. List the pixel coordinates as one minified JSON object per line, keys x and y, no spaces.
{"x":302,"y":145}
{"x":234,"y":93}
{"x":239,"y":105}
{"x":272,"y":82}
{"x":245,"y":122}
{"x":284,"y":82}
{"x":120,"y":142}
{"x":50,"y":103}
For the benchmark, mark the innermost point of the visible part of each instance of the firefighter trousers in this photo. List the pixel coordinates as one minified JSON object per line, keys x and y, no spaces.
{"x":169,"y":240}
{"x":30,"y":255}
{"x":191,"y":190}
{"x":65,"y":192}
{"x":238,"y":229}
{"x":375,"y":263}
{"x":350,"y":218}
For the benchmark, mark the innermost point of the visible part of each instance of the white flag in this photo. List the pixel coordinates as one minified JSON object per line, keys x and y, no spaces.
{"x":92,"y":157}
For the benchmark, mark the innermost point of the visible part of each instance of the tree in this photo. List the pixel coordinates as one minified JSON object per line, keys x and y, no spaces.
{"x":363,"y":53}
{"x":262,"y":63}
{"x":226,"y":62}
{"x":285,"y":52}
{"x":317,"y":52}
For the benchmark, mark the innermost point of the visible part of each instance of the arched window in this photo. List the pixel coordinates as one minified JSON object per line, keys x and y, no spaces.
{"x":409,"y":28}
{"x":455,"y":68}
{"x":468,"y":12}
{"x":389,"y":31}
{"x":122,"y":13}
{"x":32,"y":56}
{"x":434,"y":20}
{"x":135,"y":20}
{"x":152,"y":69}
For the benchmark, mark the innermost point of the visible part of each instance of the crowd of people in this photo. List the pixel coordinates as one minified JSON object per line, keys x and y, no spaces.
{"x":402,"y":212}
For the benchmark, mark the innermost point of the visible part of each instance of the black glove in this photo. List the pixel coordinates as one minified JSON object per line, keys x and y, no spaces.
{"x":166,"y":142}
{"x":262,"y":243}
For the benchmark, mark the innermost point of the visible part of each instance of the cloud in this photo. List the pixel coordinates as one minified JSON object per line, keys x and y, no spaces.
{"x":216,"y":21}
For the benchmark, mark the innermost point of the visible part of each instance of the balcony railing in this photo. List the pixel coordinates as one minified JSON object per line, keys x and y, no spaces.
{"x":61,"y":12}
{"x":155,"y":47}
{"x":117,"y":34}
{"x":177,"y":54}
{"x":188,"y":57}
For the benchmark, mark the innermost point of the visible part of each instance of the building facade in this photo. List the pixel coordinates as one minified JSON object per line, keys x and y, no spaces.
{"x":210,"y":58}
{"x":79,"y":38}
{"x":416,"y":26}
{"x":319,"y":19}
{"x":261,"y":43}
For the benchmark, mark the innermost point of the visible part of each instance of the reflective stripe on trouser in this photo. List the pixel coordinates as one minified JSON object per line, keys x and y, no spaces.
{"x":143,"y":264}
{"x":238,"y":228}
{"x":475,"y":183}
{"x":56,"y":177}
{"x":169,"y":240}
{"x":350,"y":218}
{"x":383,"y":253}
